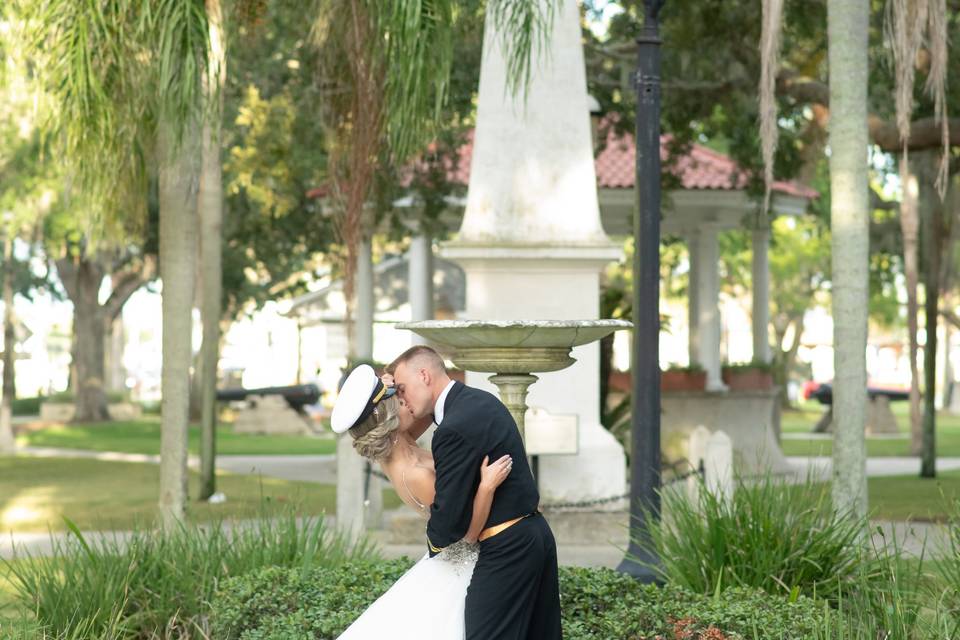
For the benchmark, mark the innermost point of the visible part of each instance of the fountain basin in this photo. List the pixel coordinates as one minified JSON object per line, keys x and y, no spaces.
{"x":513,"y":346}
{"x":513,"y":349}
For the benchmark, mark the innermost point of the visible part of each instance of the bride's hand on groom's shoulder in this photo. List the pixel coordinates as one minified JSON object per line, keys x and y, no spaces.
{"x":492,"y":474}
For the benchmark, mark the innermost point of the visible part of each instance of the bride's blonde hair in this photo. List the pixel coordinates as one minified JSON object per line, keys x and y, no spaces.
{"x":372,"y":438}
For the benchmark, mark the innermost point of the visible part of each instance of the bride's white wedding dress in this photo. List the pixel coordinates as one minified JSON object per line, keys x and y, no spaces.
{"x":437,"y":584}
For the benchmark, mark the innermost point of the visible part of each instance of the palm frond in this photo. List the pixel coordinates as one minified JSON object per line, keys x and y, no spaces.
{"x":114,"y":69}
{"x":418,"y":53}
{"x":179,"y":33}
{"x":524,"y":27}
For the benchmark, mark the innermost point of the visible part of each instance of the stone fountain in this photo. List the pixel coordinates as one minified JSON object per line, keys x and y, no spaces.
{"x":513,"y":350}
{"x":532,"y":246}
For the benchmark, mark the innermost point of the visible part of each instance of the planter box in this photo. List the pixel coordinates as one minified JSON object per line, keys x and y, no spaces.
{"x":747,"y":379}
{"x":683,"y":380}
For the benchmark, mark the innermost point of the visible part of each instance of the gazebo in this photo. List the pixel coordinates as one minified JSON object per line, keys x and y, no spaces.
{"x":710,"y":197}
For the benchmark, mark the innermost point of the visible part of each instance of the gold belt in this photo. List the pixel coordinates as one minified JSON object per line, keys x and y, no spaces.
{"x":489,"y":532}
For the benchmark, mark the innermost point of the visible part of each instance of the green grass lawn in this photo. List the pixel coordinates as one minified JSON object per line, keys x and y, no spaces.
{"x":802,"y":420}
{"x":913,"y":498}
{"x":6,"y":598}
{"x":143,"y":436}
{"x":35,"y":494}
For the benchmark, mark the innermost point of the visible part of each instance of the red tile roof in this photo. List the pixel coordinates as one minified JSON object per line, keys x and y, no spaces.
{"x":701,"y":168}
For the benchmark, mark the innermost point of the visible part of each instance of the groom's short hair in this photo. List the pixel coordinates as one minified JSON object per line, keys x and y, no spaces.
{"x":420,"y":353}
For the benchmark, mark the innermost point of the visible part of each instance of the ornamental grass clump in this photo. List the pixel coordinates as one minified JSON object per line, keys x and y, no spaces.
{"x":783,"y":538}
{"x":153,"y":584}
{"x":948,"y":594}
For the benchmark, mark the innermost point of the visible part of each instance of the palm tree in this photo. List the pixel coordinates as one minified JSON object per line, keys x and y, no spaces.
{"x":127,"y":77}
{"x":912,"y":25}
{"x":211,"y":237}
{"x":388,"y":64}
{"x":847,"y":26}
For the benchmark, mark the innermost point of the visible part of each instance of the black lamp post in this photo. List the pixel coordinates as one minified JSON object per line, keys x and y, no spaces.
{"x":645,"y":429}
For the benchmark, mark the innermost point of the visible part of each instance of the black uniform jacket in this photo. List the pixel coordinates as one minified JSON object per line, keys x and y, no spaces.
{"x":475,"y":424}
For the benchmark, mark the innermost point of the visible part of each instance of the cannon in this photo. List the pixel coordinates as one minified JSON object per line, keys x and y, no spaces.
{"x":823,"y":394}
{"x":879,"y":418}
{"x":296,"y":395}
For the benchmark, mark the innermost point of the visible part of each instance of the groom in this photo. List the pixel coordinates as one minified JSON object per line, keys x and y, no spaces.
{"x":514,"y":592}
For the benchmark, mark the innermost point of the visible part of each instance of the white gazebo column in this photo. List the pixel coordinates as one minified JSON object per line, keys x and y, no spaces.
{"x":363,"y":323}
{"x":693,"y":313}
{"x":420,"y":280}
{"x":531,"y":242}
{"x":761,"y":295}
{"x":707,"y":294}
{"x":359,"y":499}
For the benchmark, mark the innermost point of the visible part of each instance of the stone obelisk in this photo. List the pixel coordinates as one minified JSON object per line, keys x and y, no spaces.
{"x":531,"y":242}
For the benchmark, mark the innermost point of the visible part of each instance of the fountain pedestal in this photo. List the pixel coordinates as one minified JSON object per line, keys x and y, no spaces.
{"x":532,"y":244}
{"x":513,"y":393}
{"x":513,"y":349}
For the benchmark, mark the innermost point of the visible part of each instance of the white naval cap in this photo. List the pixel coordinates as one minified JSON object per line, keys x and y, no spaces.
{"x":359,"y":394}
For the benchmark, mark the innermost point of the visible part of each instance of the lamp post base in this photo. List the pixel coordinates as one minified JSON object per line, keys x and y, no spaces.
{"x":636,"y":563}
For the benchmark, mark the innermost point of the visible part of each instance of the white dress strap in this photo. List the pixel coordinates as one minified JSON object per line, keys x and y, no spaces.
{"x":403,"y":479}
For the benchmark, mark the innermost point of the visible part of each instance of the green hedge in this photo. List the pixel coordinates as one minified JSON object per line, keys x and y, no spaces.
{"x":69,"y":397}
{"x":596,"y":604}
{"x":27,"y":406}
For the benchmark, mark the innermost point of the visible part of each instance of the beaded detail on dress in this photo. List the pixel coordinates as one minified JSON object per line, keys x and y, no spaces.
{"x":461,"y":555}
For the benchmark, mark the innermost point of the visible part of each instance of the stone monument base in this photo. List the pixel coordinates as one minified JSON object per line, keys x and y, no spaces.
{"x":878,"y":421}
{"x":747,"y":417}
{"x":270,"y":415}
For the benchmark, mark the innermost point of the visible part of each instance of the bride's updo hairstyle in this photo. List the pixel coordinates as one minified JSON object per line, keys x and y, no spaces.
{"x":373,"y":438}
{"x":369,"y":410}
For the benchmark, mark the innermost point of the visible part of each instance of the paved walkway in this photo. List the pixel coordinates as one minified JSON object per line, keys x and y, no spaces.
{"x":914,"y":539}
{"x":41,"y":544}
{"x":822,"y":466}
{"x":323,"y":468}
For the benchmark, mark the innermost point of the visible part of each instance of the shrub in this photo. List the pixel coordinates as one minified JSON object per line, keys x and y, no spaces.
{"x":596,"y":604}
{"x":27,"y":406}
{"x":947,"y":593}
{"x":280,"y":603}
{"x":69,"y":397}
{"x":152,"y":583}
{"x":784,"y":539}
{"x":753,"y":365}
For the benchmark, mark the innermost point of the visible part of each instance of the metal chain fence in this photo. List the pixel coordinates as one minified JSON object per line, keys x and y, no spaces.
{"x":690,"y":471}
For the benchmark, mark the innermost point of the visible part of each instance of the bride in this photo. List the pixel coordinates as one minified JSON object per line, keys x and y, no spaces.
{"x":387,"y":435}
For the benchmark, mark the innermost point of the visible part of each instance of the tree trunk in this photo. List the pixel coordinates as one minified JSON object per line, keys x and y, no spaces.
{"x":92,"y":322}
{"x":211,"y":277}
{"x":113,"y":336}
{"x":910,"y":228}
{"x":179,"y":174}
{"x":790,"y":357}
{"x":847,"y":27}
{"x":606,"y":366}
{"x":934,"y":238}
{"x":7,"y":443}
{"x":946,"y":391}
{"x":90,"y":398}
{"x":951,"y":217}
